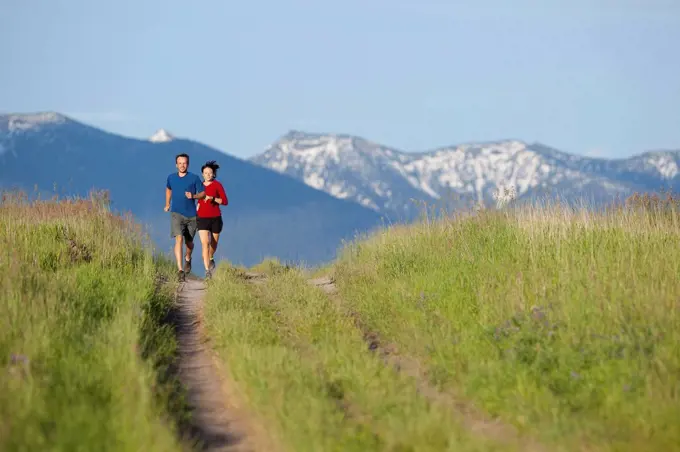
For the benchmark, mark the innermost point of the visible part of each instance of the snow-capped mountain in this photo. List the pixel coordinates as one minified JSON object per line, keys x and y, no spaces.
{"x":387,"y":180}
{"x":161,"y":136}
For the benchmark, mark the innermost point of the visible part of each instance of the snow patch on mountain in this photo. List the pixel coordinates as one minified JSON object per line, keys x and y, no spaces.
{"x":161,"y":136}
{"x":665,"y":164}
{"x":11,"y":124}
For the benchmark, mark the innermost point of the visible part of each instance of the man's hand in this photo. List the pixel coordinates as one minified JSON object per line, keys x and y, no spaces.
{"x":168,"y":198}
{"x":188,"y":194}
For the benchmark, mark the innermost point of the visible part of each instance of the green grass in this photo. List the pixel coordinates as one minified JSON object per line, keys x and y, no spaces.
{"x":306,"y":372}
{"x":80,"y":335}
{"x":563,"y":324}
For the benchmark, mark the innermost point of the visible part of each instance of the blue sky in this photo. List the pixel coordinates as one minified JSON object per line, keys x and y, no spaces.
{"x":593,"y":77}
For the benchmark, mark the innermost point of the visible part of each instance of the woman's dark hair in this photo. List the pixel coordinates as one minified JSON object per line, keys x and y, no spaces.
{"x":212,"y":164}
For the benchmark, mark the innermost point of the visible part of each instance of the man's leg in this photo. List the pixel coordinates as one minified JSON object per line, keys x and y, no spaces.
{"x":190,"y":249}
{"x":189,"y":234}
{"x":189,"y":244}
{"x":176,"y":232}
{"x":178,"y":252}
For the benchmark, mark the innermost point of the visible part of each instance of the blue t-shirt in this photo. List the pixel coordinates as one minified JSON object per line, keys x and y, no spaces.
{"x":178,"y":201}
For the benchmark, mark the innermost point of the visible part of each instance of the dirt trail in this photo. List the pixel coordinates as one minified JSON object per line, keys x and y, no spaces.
{"x":470,"y":417}
{"x":218,"y":420}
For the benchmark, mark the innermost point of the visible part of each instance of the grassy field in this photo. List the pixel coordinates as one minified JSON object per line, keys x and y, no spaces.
{"x":525,"y":329}
{"x":307,"y":373}
{"x":561,"y":324}
{"x":80,"y":335}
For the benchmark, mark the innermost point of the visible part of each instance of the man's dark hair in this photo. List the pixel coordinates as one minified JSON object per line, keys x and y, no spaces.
{"x":212,"y":164}
{"x":182,"y":155}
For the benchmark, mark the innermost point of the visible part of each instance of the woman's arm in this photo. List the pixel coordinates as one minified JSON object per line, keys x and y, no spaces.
{"x":223,"y":195}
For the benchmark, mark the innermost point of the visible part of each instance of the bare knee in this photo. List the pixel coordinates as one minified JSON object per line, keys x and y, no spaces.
{"x":205,"y":238}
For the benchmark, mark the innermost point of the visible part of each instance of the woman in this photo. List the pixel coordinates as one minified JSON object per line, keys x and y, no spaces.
{"x":209,"y":216}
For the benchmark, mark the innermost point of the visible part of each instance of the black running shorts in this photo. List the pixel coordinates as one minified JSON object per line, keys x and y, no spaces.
{"x":212,"y":224}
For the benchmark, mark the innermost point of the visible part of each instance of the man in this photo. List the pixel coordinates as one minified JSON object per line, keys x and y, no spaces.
{"x":181,"y":190}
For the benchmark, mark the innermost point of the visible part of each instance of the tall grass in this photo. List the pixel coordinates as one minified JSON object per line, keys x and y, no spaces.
{"x":79,"y":334}
{"x":564,"y":322}
{"x":306,"y":373}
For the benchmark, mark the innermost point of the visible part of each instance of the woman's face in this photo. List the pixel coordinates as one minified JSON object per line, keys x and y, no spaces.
{"x":208,"y":174}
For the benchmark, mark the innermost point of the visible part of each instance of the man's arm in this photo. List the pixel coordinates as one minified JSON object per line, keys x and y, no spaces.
{"x":190,"y":195}
{"x":199,"y":195}
{"x":200,"y":189}
{"x":168,"y":195}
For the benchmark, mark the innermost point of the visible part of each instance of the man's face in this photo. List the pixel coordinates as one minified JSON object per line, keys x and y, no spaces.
{"x":182,"y":164}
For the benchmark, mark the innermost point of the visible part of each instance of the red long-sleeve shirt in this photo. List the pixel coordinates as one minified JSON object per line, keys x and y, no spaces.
{"x":209,"y":209}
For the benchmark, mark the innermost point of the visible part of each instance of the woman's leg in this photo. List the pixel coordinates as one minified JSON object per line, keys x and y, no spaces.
{"x":205,"y":246}
{"x":213,"y":246}
{"x":217,"y":229}
{"x":213,"y":243}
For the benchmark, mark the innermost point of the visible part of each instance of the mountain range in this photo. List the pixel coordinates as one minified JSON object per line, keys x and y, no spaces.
{"x":269,"y":214}
{"x":386,"y":180}
{"x":305,"y":194}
